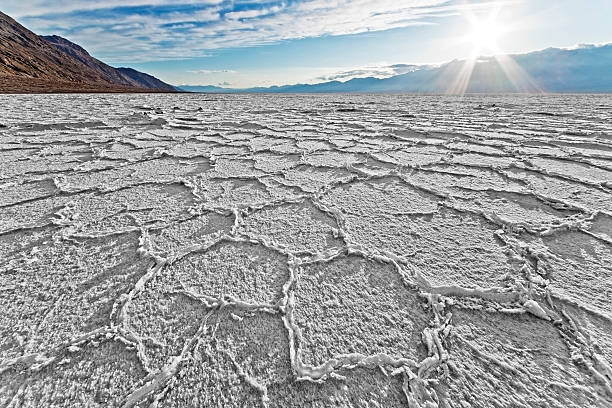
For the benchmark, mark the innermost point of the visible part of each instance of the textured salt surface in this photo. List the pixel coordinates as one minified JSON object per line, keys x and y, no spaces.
{"x":321,"y":250}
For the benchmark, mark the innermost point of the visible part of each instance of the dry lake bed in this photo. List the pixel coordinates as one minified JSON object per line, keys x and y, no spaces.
{"x":305,"y":250}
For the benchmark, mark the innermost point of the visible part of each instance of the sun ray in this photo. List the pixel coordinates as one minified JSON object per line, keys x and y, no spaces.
{"x":520,"y":80}
{"x":485,"y":30}
{"x":461,"y":81}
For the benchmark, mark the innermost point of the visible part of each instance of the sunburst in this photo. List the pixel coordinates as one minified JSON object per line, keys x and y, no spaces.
{"x":484,"y":35}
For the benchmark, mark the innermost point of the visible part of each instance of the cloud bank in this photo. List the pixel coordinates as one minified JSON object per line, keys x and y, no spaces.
{"x":153,"y":30}
{"x":382,"y":71}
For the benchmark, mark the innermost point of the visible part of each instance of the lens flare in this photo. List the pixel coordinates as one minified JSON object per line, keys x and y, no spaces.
{"x":484,"y":33}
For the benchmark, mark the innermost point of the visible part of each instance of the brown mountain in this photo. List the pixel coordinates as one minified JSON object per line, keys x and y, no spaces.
{"x":31,"y":63}
{"x":119,"y":76}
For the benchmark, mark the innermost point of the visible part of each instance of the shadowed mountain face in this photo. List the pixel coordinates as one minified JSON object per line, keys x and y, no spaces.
{"x":586,"y":69}
{"x":32,"y":63}
{"x":145,"y":80}
{"x":120,"y":76}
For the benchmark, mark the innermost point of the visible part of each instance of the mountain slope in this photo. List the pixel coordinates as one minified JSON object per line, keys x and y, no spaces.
{"x":119,"y":76}
{"x":77,"y":52}
{"x":31,"y":63}
{"x":581,"y":70}
{"x":144,"y":80}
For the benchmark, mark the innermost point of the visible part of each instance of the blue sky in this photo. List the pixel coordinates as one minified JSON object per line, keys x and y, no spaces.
{"x":243,"y":43}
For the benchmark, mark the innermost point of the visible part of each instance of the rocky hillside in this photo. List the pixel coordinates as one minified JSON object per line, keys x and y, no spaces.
{"x":32,"y":63}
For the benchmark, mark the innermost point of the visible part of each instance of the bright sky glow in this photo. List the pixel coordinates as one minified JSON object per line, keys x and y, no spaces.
{"x":242,"y":43}
{"x":486,"y":31}
{"x":485,"y":34}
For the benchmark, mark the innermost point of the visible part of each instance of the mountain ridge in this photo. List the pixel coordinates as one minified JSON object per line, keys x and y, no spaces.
{"x":46,"y":64}
{"x":585,"y":69}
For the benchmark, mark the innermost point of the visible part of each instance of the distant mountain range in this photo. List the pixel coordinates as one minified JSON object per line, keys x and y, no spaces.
{"x":585,"y":69}
{"x":32,"y":63}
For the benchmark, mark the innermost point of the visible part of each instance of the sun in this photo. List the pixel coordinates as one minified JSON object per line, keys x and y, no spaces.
{"x":485,"y":35}
{"x":485,"y":32}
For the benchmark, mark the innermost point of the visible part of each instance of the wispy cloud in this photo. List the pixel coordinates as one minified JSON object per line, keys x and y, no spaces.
{"x":149,"y":30}
{"x":17,"y":8}
{"x":380,"y":71}
{"x":212,"y":71}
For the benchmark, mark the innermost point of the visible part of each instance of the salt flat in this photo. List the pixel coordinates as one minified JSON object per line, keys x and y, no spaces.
{"x":305,"y":250}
